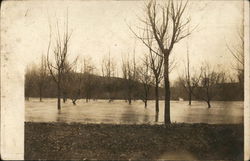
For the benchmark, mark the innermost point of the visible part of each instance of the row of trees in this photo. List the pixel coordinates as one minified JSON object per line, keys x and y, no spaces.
{"x":95,"y":86}
{"x":163,"y":26}
{"x":204,"y":85}
{"x":210,"y":79}
{"x":82,"y":81}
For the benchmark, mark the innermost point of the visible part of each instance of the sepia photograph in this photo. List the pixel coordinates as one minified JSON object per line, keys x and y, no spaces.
{"x":123,"y":80}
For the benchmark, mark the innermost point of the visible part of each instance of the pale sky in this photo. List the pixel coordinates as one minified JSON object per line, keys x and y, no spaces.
{"x":101,"y":26}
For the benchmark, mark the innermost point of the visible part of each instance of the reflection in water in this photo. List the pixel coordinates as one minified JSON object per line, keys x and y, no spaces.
{"x":119,"y":112}
{"x":156,"y":116}
{"x":58,"y":116}
{"x":128,"y":114}
{"x":146,"y":117}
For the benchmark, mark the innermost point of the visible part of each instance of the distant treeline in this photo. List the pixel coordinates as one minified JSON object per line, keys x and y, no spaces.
{"x":233,"y":91}
{"x":93,"y":87}
{"x":99,"y":87}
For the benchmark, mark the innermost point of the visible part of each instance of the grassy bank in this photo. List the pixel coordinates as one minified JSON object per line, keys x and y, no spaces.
{"x":101,"y":141}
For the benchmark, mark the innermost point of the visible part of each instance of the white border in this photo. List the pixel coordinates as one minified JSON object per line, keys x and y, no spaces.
{"x":12,"y":97}
{"x":246,"y":83}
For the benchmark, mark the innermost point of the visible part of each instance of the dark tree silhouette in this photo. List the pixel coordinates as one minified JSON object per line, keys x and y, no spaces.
{"x":207,"y":87}
{"x":42,"y":76}
{"x":89,"y":82}
{"x":108,"y":72}
{"x":30,"y":80}
{"x":145,"y":77}
{"x":168,"y":27}
{"x":237,"y":51}
{"x":57,"y":67}
{"x":129,"y":70}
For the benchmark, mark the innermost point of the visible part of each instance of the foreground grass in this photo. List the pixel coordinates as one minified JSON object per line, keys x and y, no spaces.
{"x":54,"y":141}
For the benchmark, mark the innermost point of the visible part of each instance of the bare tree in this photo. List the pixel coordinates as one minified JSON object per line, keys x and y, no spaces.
{"x":89,"y":80}
{"x":168,"y":27}
{"x":209,"y":83}
{"x":190,"y":83}
{"x":108,"y":72}
{"x":127,"y":76}
{"x":187,"y":81}
{"x":42,"y":76}
{"x":145,"y":77}
{"x":30,"y":79}
{"x":156,"y":63}
{"x":57,"y":67}
{"x":135,"y":78}
{"x":67,"y":74}
{"x":130,"y":73}
{"x":76,"y":77}
{"x":237,"y":51}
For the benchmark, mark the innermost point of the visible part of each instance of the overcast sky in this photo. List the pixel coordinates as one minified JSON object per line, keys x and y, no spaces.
{"x":101,"y":26}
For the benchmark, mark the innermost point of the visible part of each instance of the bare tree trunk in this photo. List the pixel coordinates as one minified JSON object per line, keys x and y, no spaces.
{"x":129,"y":100}
{"x":208,"y":104}
{"x":87,"y":98}
{"x":189,"y":97}
{"x":167,"y":91}
{"x":156,"y":96}
{"x":74,"y":102}
{"x":188,"y":77}
{"x":110,"y":99}
{"x":156,"y":117}
{"x":156,"y":101}
{"x":129,"y":95}
{"x":64,"y":97}
{"x":208,"y":98}
{"x":145,"y":103}
{"x":58,"y":96}
{"x":40,"y":93}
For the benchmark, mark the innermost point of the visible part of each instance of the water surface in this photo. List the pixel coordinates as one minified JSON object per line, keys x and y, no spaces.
{"x":119,"y":112}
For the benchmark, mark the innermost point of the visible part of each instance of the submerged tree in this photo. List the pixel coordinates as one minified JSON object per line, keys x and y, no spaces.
{"x":129,"y":70}
{"x":108,"y":72}
{"x":209,"y":83}
{"x":237,"y":51}
{"x":189,"y":82}
{"x":42,"y":76}
{"x":168,"y":27}
{"x":57,"y":65}
{"x":145,"y":77}
{"x":76,"y":78}
{"x":89,"y":81}
{"x":67,"y":84}
{"x":30,"y":79}
{"x":155,"y":64}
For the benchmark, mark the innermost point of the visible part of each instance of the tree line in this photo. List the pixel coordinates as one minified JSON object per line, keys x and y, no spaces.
{"x":136,"y":83}
{"x":82,"y":80}
{"x":163,"y":26}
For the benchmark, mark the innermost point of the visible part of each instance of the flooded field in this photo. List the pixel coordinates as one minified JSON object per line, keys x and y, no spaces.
{"x":119,"y":112}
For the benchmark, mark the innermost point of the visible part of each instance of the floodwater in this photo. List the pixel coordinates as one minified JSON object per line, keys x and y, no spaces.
{"x":119,"y":112}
